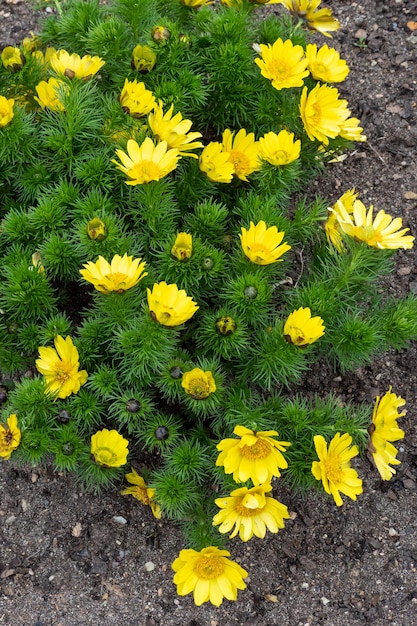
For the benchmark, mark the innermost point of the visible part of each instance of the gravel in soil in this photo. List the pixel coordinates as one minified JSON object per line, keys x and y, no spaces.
{"x":68,"y":559}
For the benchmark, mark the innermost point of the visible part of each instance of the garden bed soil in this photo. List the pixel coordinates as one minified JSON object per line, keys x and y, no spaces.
{"x":71,"y":559}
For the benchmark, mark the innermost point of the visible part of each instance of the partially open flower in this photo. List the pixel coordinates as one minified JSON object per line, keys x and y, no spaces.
{"x":121,"y":274}
{"x":12,"y":58}
{"x":6,"y":111}
{"x":279,"y":149}
{"x":323,"y":113}
{"x":383,"y":430}
{"x":325,"y":64}
{"x":301,"y":329}
{"x":243,"y":151}
{"x":174,"y":130}
{"x":74,"y":66}
{"x":96,"y":229}
{"x":321,"y":20}
{"x":142,"y":492}
{"x":160,"y":33}
{"x":10,"y":436}
{"x":169,"y":305}
{"x":109,"y":448}
{"x":49,"y":94}
{"x":143,"y":59}
{"x":183,"y":247}
{"x":135,"y":99}
{"x":198,"y":384}
{"x":216,"y":163}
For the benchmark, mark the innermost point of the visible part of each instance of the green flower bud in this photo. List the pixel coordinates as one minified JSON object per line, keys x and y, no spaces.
{"x":176,"y":372}
{"x":162,"y":433}
{"x":64,"y":416}
{"x":226,"y":325}
{"x":67,"y":449}
{"x":96,"y":229}
{"x":207,"y":264}
{"x":251,"y":292}
{"x":132,"y":406}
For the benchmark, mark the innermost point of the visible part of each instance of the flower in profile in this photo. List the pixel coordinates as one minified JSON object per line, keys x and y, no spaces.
{"x":60,"y":367}
{"x":283,"y":63}
{"x":183,"y":247}
{"x":198,"y":383}
{"x":243,"y":151}
{"x":262,"y":245}
{"x":135,"y":99}
{"x":216,"y":163}
{"x":143,"y":59}
{"x":6,"y":111}
{"x":74,"y":66}
{"x":255,"y":455}
{"x":209,"y":574}
{"x":351,"y":130}
{"x":333,"y":467}
{"x":251,"y":512}
{"x":331,"y":225}
{"x":321,"y":20}
{"x":109,"y":448}
{"x":279,"y":149}
{"x":169,"y":305}
{"x":44,"y":57}
{"x":49,"y":93}
{"x":383,"y":430}
{"x":12,"y":58}
{"x":382,"y":232}
{"x":146,"y":162}
{"x":121,"y":274}
{"x":325,"y":64}
{"x":10,"y":436}
{"x":174,"y":130}
{"x":195,"y":4}
{"x":141,"y":492}
{"x":301,"y":329}
{"x":322,"y":112}
{"x":96,"y":229}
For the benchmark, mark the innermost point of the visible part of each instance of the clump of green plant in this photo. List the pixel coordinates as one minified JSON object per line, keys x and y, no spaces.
{"x":160,"y":282}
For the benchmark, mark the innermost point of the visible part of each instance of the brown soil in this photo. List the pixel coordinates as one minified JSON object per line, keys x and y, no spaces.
{"x":68,"y":559}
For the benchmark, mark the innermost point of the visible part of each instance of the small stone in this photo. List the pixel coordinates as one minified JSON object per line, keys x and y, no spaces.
{"x":407,"y":482}
{"x":324,"y":600}
{"x":24,"y":505}
{"x":410,"y":195}
{"x":361,"y":34}
{"x":76,"y":530}
{"x":9,"y":520}
{"x":392,"y":532}
{"x":119,"y":519}
{"x":149,"y":566}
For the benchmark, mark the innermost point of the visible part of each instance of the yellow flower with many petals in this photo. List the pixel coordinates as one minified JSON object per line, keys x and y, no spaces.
{"x":10,"y":436}
{"x":251,"y":512}
{"x":209,"y":574}
{"x":141,"y":492}
{"x":383,"y":232}
{"x":383,"y":430}
{"x":6,"y":111}
{"x":74,"y":66}
{"x":143,"y":59}
{"x":60,"y":367}
{"x":262,"y":245}
{"x":325,"y":64}
{"x":331,"y":225}
{"x":352,"y":130}
{"x":333,"y":467}
{"x":243,"y":151}
{"x":279,"y":149}
{"x":109,"y":448}
{"x":49,"y":94}
{"x":302,"y":329}
{"x":121,"y":274}
{"x":135,"y":99}
{"x":182,"y":249}
{"x":322,"y":112}
{"x":321,"y":20}
{"x":255,"y":455}
{"x":195,"y":4}
{"x":198,"y":383}
{"x":147,"y":162}
{"x":169,"y":305}
{"x":12,"y":58}
{"x":283,"y":63}
{"x":174,"y":130}
{"x":216,"y":163}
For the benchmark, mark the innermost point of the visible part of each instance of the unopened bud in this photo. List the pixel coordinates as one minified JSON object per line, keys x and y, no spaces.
{"x":64,"y":416}
{"x":96,"y":229}
{"x":226,"y":325}
{"x":207,"y":264}
{"x":133,"y":406}
{"x":176,"y":372}
{"x":143,"y":59}
{"x":162,"y":433}
{"x":67,"y":449}
{"x":251,"y":292}
{"x":13,"y":59}
{"x":160,"y":33}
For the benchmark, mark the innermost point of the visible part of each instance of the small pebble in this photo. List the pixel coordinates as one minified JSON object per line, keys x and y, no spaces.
{"x":119,"y":519}
{"x":10,"y":519}
{"x":324,"y":600}
{"x":149,"y":566}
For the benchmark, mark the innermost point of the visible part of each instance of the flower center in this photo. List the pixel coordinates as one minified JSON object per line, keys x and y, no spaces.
{"x":146,"y":171}
{"x":118,"y":279}
{"x":316,"y":116}
{"x":105,"y":456}
{"x":240,"y":162}
{"x":8,"y":438}
{"x":62,"y":372}
{"x":279,"y":70}
{"x":199,"y":389}
{"x":245,"y":511}
{"x":333,"y":469}
{"x":209,"y":567}
{"x":367,"y":234}
{"x":260,"y":450}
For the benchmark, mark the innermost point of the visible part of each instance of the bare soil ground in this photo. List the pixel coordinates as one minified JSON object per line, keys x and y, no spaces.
{"x":69,"y":559}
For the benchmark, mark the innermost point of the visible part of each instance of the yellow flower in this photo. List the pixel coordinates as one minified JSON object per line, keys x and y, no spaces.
{"x":44,"y":59}
{"x":243,"y":152}
{"x":121,"y":274}
{"x":109,"y":448}
{"x":209,"y":574}
{"x":136,"y":99}
{"x":198,"y":384}
{"x":383,"y":430}
{"x":352,"y":130}
{"x":6,"y":111}
{"x":146,"y":162}
{"x":279,"y":149}
{"x":261,"y":245}
{"x":10,"y":436}
{"x":315,"y":18}
{"x":160,"y":33}
{"x":12,"y":58}
{"x":255,"y":455}
{"x":325,"y":64}
{"x":302,"y":329}
{"x":216,"y":163}
{"x":74,"y":66}
{"x":322,"y":113}
{"x":169,"y":305}
{"x":251,"y":512}
{"x":141,"y":492}
{"x":29,"y":44}
{"x":183,"y":247}
{"x":331,"y":225}
{"x":143,"y":59}
{"x":194,"y":4}
{"x":96,"y":229}
{"x":383,"y":232}
{"x":333,"y":467}
{"x":60,"y":368}
{"x":173,"y":130}
{"x":49,"y":93}
{"x":283,"y":63}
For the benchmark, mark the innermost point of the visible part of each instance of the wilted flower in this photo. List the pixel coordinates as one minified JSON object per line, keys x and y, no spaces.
{"x":351,"y":130}
{"x":333,"y":467}
{"x":262,"y":245}
{"x":322,"y":112}
{"x":279,"y":149}
{"x":121,"y":274}
{"x":12,"y":58}
{"x":315,"y":18}
{"x":109,"y":448}
{"x":143,"y":59}
{"x":173,"y":130}
{"x":74,"y":66}
{"x":160,"y":33}
{"x":61,"y":368}
{"x":10,"y":436}
{"x":136,"y":99}
{"x":198,"y":383}
{"x":325,"y":64}
{"x":283,"y":63}
{"x":169,"y":305}
{"x":216,"y":163}
{"x":383,"y":430}
{"x":141,"y":492}
{"x":243,"y":151}
{"x":49,"y":93}
{"x":183,"y":247}
{"x":302,"y":329}
{"x":209,"y":574}
{"x":6,"y":111}
{"x":37,"y":262}
{"x":146,"y":162}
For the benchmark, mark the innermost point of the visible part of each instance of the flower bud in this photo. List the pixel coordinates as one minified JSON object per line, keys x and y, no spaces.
{"x":96,"y":229}
{"x":251,"y":293}
{"x":3,"y":394}
{"x":133,"y":406}
{"x":13,"y":59}
{"x":207,"y":264}
{"x":176,"y":372}
{"x":64,"y":416}
{"x":160,"y":33}
{"x":226,"y":325}
{"x":162,"y":433}
{"x":183,"y":247}
{"x":67,"y":449}
{"x":143,"y":59}
{"x":184,"y":39}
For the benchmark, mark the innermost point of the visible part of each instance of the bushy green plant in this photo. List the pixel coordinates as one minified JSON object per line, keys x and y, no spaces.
{"x":208,"y":284}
